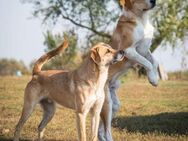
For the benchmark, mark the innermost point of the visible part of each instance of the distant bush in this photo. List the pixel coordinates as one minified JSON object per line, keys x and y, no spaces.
{"x":11,"y":66}
{"x":69,"y":59}
{"x":178,"y":75}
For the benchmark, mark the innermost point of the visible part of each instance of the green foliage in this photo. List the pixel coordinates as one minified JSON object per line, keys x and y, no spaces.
{"x":97,"y":16}
{"x":171,"y":21}
{"x":10,"y":66}
{"x":65,"y":60}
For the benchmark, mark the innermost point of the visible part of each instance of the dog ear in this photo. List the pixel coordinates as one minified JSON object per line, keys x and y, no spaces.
{"x":122,"y":3}
{"x":95,"y":55}
{"x":126,"y":3}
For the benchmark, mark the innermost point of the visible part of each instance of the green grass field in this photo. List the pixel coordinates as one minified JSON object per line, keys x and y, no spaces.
{"x":146,"y":114}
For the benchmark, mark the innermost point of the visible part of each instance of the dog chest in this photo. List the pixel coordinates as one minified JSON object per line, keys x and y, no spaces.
{"x":144,"y":45}
{"x":143,"y":33}
{"x":138,"y":31}
{"x":148,"y":30}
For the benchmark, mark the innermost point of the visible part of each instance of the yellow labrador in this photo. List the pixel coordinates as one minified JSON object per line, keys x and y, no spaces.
{"x":81,"y":89}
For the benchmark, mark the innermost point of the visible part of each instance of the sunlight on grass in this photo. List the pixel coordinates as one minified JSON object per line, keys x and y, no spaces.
{"x":147,"y":113}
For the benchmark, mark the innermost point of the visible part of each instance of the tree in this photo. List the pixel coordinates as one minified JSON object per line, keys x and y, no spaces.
{"x":171,"y":21}
{"x":97,"y":16}
{"x":93,"y":15}
{"x":11,"y":66}
{"x":66,"y":59}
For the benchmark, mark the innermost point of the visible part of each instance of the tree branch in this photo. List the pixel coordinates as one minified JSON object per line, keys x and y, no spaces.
{"x":86,"y":27}
{"x":91,"y":17}
{"x":92,"y":28}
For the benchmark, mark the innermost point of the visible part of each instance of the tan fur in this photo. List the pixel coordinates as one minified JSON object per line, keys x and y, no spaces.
{"x":123,"y":35}
{"x":115,"y":68}
{"x":43,"y":59}
{"x":81,"y":90}
{"x":129,"y":35}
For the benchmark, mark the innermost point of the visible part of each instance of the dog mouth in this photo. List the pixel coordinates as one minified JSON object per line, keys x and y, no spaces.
{"x":145,"y":10}
{"x":118,"y":57}
{"x":152,"y":5}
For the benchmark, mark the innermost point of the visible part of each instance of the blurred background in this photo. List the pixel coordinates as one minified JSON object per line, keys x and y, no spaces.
{"x":31,"y":27}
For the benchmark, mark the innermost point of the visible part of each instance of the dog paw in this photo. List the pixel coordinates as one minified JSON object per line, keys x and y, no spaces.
{"x":101,"y":138}
{"x":153,"y":78}
{"x":153,"y":83}
{"x":108,"y":135}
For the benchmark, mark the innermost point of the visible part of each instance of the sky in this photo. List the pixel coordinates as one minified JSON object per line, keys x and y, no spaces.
{"x":21,"y":37}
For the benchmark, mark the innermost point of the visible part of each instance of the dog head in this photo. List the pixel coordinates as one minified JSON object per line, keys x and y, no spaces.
{"x":103,"y":55}
{"x":138,"y":6}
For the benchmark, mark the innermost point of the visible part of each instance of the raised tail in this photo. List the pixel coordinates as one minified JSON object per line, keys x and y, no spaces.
{"x":43,"y":59}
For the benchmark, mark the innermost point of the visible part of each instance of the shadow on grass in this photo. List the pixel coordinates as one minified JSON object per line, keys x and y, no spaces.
{"x":10,"y":139}
{"x":5,"y":139}
{"x":167,"y":123}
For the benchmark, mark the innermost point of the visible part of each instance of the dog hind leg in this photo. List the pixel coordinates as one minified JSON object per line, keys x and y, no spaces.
{"x":48,"y":113}
{"x":114,"y":85}
{"x":115,"y":100}
{"x":101,"y":131}
{"x":30,"y":101}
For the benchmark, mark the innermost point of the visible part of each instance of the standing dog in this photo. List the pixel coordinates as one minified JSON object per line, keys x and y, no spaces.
{"x":133,"y":34}
{"x":81,"y":89}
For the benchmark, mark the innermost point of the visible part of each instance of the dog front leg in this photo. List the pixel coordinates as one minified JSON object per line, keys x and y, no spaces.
{"x":133,"y":55}
{"x":106,"y":118}
{"x":95,"y":126}
{"x":81,"y":126}
{"x":95,"y":117}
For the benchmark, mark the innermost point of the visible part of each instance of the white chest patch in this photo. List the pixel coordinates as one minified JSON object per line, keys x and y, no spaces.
{"x":143,"y":30}
{"x":138,"y":32}
{"x":148,"y":30}
{"x":143,"y":45}
{"x":101,"y":82}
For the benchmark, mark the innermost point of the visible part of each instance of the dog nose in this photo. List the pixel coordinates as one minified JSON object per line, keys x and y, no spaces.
{"x":153,"y":2}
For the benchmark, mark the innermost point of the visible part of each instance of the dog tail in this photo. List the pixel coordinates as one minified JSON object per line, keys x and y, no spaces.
{"x":46,"y":57}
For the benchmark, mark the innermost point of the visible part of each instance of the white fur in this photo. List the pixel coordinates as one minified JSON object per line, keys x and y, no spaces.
{"x":139,"y":53}
{"x":97,"y":95}
{"x":102,"y":81}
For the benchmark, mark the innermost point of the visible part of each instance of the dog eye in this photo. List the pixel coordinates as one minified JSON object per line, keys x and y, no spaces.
{"x":108,"y":51}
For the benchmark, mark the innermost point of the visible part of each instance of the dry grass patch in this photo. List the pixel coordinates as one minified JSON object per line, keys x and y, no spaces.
{"x":146,"y":114}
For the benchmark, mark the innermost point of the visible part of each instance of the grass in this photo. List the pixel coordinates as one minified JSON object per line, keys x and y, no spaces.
{"x":146,"y":114}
